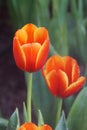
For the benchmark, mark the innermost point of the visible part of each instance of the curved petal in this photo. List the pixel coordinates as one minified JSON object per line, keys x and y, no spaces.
{"x":44,"y":127}
{"x":57,"y":82}
{"x":40,"y":35}
{"x":30,"y":28}
{"x":71,"y":68}
{"x":75,"y":72}
{"x":63,"y":82}
{"x":28,"y":126}
{"x":42,"y":54}
{"x":74,"y":87}
{"x":22,"y":36}
{"x":52,"y":83}
{"x":18,"y":54}
{"x":31,"y":51}
{"x":54,"y":62}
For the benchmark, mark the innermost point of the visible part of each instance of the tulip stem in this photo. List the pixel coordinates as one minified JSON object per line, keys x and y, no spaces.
{"x":59,"y":108}
{"x":29,"y":93}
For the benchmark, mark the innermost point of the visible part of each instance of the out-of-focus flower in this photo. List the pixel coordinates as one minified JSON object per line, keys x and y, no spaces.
{"x":32,"y":126}
{"x":62,"y":75}
{"x":31,"y":47}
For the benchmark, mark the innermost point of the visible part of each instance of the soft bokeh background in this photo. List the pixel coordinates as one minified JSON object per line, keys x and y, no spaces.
{"x":12,"y":84}
{"x":66,"y":21}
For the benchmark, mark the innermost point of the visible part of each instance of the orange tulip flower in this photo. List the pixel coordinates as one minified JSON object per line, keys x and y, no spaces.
{"x":62,"y":75}
{"x":31,"y":47}
{"x":32,"y":126}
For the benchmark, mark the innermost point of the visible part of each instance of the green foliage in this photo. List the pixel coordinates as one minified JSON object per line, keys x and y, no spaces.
{"x":40,"y":118}
{"x":58,"y":26}
{"x":77,"y":118}
{"x":68,"y":102}
{"x":27,"y":11}
{"x":3,"y":124}
{"x":42,"y":13}
{"x":21,"y":12}
{"x":78,"y":32}
{"x":43,"y":100}
{"x":62,"y":123}
{"x":24,"y":113}
{"x":13,"y":122}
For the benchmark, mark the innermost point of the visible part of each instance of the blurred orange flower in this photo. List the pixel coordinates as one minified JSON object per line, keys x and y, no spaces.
{"x":62,"y":75}
{"x":31,"y":47}
{"x":32,"y":126}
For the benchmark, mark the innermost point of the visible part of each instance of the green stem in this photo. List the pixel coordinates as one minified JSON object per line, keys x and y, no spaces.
{"x":29,"y":93}
{"x":59,"y":108}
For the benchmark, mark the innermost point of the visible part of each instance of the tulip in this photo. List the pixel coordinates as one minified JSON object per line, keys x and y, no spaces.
{"x":32,"y":126}
{"x":31,"y":47}
{"x":62,"y":75}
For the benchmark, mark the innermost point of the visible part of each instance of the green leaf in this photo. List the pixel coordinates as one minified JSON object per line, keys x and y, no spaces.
{"x":68,"y":102}
{"x":3,"y":123}
{"x":44,"y":100}
{"x":62,"y":123}
{"x":40,"y":118}
{"x":60,"y":9}
{"x":58,"y":26}
{"x":42,"y":12}
{"x":24,"y":112}
{"x":21,"y":12}
{"x":13,"y":123}
{"x":77,"y":118}
{"x":58,"y":34}
{"x":28,"y":11}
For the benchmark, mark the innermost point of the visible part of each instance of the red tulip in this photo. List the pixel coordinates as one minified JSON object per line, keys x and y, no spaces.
{"x":32,"y":126}
{"x":31,"y":47}
{"x":62,"y":75}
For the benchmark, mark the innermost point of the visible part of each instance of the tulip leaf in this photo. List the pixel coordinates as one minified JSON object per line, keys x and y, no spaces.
{"x":58,"y":27}
{"x":42,"y":12}
{"x":68,"y":103}
{"x":29,"y":11}
{"x":13,"y":122}
{"x":40,"y":118}
{"x":77,"y":118}
{"x":43,"y":99}
{"x":62,"y":123}
{"x":24,"y":112}
{"x":21,"y":10}
{"x":3,"y":123}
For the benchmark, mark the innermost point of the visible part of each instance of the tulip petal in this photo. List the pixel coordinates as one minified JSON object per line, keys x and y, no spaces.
{"x":18,"y":54}
{"x":30,"y":28}
{"x":28,"y":126}
{"x":22,"y":36}
{"x":57,"y":82}
{"x":31,"y":51}
{"x":52,"y":83}
{"x":44,"y":127}
{"x":40,"y":35}
{"x":71,"y":68}
{"x":42,"y":54}
{"x":54,"y":62}
{"x":32,"y":126}
{"x":74,"y":87}
{"x":75,"y":72}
